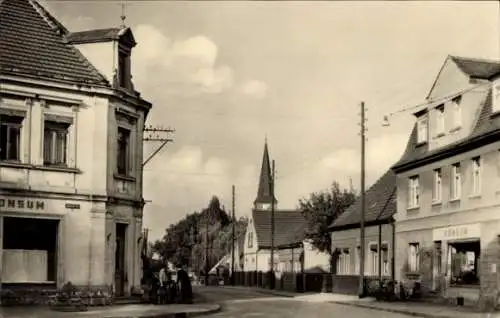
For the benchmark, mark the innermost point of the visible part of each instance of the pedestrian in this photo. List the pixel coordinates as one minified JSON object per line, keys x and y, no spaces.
{"x":185,"y":288}
{"x":163,"y":282}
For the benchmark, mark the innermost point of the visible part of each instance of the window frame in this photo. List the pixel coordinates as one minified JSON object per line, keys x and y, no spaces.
{"x":56,"y":127}
{"x":128,"y":152}
{"x":413,"y":192}
{"x":437,"y":190}
{"x":476,"y":175}
{"x":414,"y":265}
{"x":457,"y":112}
{"x":16,"y":123}
{"x":440,"y":120}
{"x":422,"y":129}
{"x":456,"y":181}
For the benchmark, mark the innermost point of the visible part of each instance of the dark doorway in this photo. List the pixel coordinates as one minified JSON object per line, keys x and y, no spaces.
{"x":30,"y":245}
{"x":120,"y":274}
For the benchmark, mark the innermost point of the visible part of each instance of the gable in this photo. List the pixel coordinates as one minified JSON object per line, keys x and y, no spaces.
{"x":450,"y":79}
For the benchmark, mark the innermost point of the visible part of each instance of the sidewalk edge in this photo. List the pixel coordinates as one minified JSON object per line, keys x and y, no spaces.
{"x":208,"y":312}
{"x":396,"y":311}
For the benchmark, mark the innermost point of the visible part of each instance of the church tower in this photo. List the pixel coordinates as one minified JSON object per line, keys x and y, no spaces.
{"x":264,"y":198}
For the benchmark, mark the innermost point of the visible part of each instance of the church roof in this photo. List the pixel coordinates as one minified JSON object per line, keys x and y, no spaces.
{"x":264,"y":194}
{"x":33,"y":44}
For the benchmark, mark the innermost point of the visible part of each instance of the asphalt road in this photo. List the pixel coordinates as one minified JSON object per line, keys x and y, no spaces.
{"x":248,"y":304}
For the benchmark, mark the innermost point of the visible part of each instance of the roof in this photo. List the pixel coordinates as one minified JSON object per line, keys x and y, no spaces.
{"x":484,"y":125}
{"x":264,"y":191}
{"x":477,"y":68}
{"x":380,"y":201}
{"x":288,"y":227}
{"x":100,"y":35}
{"x":33,"y":44}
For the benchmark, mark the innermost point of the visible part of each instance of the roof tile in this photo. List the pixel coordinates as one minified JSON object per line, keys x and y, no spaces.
{"x":289,"y":227}
{"x":380,"y":203}
{"x":33,"y":44}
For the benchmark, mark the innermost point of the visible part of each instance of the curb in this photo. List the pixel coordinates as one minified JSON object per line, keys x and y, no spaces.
{"x":275,"y":293}
{"x":217,"y":309}
{"x":396,"y":311}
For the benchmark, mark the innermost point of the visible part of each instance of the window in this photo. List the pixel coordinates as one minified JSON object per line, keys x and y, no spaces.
{"x":436,"y":193}
{"x":296,"y":265}
{"x":374,"y":259}
{"x":55,"y":140}
{"x":10,"y":137}
{"x":357,"y":260}
{"x":457,"y":112}
{"x":422,"y":130}
{"x":123,"y":76}
{"x":455,"y":182}
{"x":440,"y":127}
{"x":414,"y":192}
{"x":123,"y":155}
{"x":385,"y":259}
{"x":414,"y":258}
{"x":343,"y":261}
{"x":476,"y":175}
{"x":250,"y":240}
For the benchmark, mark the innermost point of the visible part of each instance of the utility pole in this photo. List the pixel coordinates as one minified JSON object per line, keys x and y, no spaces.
{"x":234,"y":237}
{"x":206,"y":252}
{"x":361,"y":292}
{"x":156,"y":134}
{"x":271,"y":285}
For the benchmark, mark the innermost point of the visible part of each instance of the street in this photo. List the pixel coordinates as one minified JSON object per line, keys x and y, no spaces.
{"x":237,"y":303}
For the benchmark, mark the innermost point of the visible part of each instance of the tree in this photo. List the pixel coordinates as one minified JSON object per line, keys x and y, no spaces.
{"x":320,"y":210}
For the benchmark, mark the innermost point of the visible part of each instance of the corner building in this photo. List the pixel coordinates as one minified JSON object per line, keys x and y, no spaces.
{"x":448,"y":186}
{"x":71,"y":127}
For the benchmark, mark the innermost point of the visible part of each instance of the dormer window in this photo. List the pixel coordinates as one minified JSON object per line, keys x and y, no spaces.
{"x":440,"y":120}
{"x":422,"y":129}
{"x":123,"y":69}
{"x":457,"y":112}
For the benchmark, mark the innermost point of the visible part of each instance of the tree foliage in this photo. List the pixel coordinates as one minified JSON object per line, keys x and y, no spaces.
{"x":321,"y":209}
{"x":200,"y":235}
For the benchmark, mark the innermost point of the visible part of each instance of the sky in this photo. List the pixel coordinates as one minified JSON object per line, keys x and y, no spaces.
{"x":226,"y":75}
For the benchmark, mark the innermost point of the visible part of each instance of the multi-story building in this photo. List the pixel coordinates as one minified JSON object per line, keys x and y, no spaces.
{"x":448,"y":185}
{"x":71,"y":144}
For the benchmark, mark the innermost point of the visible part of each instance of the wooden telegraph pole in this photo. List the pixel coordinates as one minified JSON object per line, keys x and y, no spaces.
{"x":361,"y":292}
{"x":233,"y":236}
{"x":273,"y":277}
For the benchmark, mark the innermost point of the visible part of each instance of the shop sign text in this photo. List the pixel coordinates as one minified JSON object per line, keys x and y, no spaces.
{"x":24,"y":204}
{"x":457,"y":232}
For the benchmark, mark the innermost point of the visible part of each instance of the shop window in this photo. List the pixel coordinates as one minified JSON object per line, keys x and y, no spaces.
{"x":414,"y":257}
{"x":464,"y":260}
{"x":10,"y":137}
{"x":55,"y":143}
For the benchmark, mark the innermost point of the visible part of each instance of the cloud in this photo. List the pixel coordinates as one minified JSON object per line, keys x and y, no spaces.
{"x":254,"y":88}
{"x":187,"y":178}
{"x":182,"y":67}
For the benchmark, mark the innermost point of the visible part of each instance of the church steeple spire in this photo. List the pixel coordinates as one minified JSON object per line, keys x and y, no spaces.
{"x":264,"y":198}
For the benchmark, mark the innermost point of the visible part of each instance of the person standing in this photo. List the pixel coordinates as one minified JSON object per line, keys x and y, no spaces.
{"x":163,"y":282}
{"x":184,"y":283}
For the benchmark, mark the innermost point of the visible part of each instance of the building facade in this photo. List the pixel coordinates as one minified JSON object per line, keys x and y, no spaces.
{"x":448,"y":181}
{"x":379,"y":237}
{"x":71,"y":129}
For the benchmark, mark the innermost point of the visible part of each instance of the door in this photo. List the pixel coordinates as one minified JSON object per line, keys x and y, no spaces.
{"x":120,"y":272}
